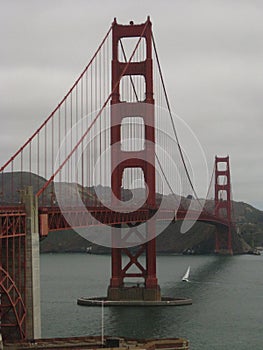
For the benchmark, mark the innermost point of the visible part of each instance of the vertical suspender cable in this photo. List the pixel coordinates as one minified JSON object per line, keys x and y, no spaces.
{"x":172,"y":122}
{"x":30,"y":163}
{"x":82,"y":144}
{"x":59,"y":105}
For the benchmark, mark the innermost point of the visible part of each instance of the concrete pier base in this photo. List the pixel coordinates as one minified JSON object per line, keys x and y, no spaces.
{"x":224,"y":252}
{"x":134,"y":293}
{"x":165,"y":301}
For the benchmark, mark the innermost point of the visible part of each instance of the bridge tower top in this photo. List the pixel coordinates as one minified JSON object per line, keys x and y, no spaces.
{"x":144,"y":68}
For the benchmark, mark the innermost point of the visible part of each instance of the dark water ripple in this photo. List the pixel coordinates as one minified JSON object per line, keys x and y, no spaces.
{"x":227,"y":295}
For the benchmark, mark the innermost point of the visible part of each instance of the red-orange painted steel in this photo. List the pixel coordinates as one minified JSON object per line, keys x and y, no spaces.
{"x":223,"y":202}
{"x":54,"y":220}
{"x":12,"y":272}
{"x":144,"y":160}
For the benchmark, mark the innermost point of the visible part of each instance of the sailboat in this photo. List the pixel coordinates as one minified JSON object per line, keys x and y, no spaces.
{"x":186,"y":275}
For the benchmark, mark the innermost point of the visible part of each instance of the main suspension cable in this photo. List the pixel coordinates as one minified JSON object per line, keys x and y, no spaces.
{"x":59,"y":105}
{"x":172,"y":121}
{"x":60,"y":167}
{"x":137,"y":99}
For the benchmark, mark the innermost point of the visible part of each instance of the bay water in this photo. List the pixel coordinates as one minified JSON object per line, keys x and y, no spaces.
{"x":227,"y":294}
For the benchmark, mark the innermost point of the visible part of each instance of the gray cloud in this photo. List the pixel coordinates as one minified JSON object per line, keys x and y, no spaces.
{"x":212,"y":58}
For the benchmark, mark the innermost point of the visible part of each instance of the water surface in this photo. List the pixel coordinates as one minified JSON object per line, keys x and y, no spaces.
{"x":227,"y":293}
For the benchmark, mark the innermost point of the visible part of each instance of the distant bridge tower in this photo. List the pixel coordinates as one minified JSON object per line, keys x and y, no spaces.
{"x":142,"y":159}
{"x":223,"y":244}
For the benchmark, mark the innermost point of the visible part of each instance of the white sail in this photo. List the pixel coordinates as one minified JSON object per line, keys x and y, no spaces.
{"x":186,"y":275}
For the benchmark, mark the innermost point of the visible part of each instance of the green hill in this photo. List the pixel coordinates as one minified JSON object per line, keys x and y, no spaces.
{"x":199,"y":239}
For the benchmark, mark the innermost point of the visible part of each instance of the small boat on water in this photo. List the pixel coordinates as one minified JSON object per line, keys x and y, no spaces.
{"x":186,"y":275}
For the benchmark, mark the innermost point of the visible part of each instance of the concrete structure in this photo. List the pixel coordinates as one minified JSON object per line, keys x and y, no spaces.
{"x":32,"y":297}
{"x":165,"y":301}
{"x":95,"y":343}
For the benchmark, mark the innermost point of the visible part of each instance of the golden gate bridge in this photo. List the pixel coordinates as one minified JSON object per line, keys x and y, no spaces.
{"x":108,"y":155}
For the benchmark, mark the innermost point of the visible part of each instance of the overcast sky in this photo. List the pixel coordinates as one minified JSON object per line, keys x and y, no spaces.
{"x":211,"y":54}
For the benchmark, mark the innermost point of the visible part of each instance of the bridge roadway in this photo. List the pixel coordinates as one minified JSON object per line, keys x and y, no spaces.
{"x":12,"y":219}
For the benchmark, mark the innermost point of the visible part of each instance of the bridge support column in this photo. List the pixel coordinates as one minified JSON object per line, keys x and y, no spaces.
{"x":147,"y":291}
{"x":143,"y":159}
{"x":223,"y":239}
{"x":32,"y":302}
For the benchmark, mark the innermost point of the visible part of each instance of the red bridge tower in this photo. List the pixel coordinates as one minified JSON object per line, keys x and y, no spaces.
{"x":143,"y":159}
{"x":223,"y":242}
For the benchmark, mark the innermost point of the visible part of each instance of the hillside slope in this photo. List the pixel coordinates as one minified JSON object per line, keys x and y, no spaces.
{"x":199,"y":239}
